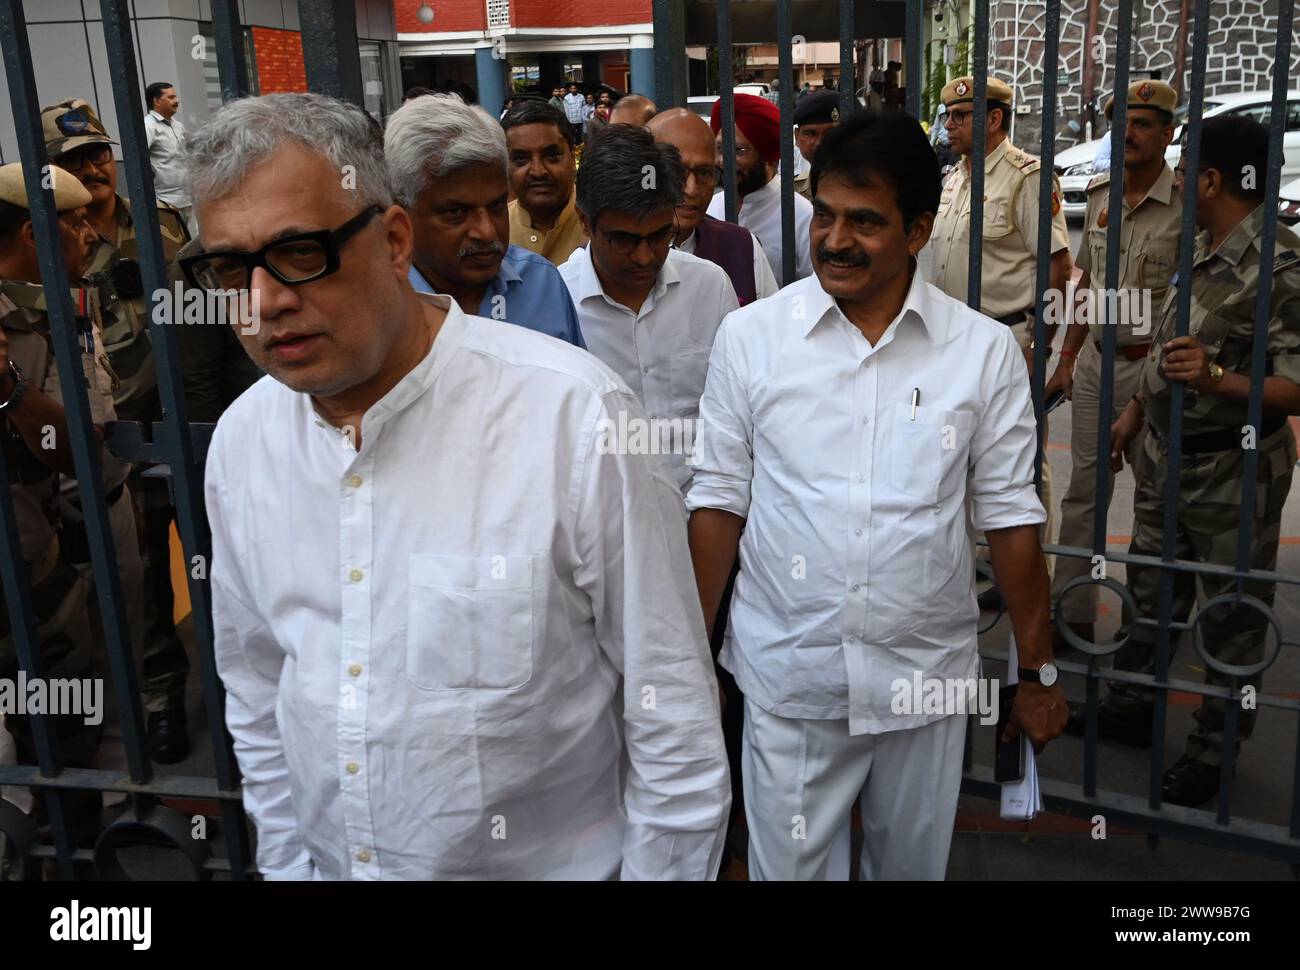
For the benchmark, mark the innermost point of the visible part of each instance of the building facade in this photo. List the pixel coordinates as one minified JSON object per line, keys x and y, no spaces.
{"x":174,"y":42}
{"x":495,"y":48}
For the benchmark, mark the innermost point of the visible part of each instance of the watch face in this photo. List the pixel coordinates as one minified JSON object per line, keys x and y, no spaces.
{"x":1047,"y":674}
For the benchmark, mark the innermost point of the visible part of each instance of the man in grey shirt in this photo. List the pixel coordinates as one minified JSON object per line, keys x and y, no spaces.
{"x":166,"y":137}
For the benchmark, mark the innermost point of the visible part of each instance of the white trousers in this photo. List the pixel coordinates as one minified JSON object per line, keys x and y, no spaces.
{"x":803,"y":775}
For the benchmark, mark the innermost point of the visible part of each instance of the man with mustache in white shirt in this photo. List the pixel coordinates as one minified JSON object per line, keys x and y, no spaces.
{"x":458,"y":640}
{"x":848,"y":423}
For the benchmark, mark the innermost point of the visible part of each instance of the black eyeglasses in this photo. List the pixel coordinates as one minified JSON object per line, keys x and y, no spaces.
{"x":75,"y":160}
{"x":293,"y":260}
{"x":626,"y":243}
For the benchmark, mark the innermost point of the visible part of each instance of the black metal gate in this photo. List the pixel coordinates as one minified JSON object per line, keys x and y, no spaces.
{"x":1083,"y":797}
{"x":175,"y":445}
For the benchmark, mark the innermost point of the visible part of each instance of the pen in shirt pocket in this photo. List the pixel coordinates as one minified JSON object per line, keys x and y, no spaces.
{"x":916,"y":399}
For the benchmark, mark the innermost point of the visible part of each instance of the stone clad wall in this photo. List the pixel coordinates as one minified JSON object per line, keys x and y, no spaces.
{"x":1240,"y":55}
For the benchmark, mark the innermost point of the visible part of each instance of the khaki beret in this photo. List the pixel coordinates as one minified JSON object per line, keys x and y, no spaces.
{"x":69,"y":193}
{"x":71,"y":124}
{"x":1148,"y":94}
{"x":961,"y":90}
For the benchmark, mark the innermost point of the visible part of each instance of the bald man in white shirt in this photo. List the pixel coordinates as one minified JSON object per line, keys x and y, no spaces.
{"x":459,"y":640}
{"x":847,"y":425}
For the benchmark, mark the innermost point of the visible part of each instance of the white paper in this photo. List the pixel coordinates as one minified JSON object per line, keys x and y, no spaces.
{"x":1021,"y":799}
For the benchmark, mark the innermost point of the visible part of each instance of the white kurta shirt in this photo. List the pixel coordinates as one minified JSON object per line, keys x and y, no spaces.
{"x":764,"y":280}
{"x":661,"y":350}
{"x":856,"y":563}
{"x":760,"y":213}
{"x":474,"y":649}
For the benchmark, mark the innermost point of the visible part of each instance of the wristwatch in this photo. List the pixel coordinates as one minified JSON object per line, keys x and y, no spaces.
{"x":1045,"y":675}
{"x":1216,"y":373}
{"x":20,"y":387}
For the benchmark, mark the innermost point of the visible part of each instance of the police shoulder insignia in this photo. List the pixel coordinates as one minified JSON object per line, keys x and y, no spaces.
{"x":1286,"y":260}
{"x":1056,"y":202}
{"x":1097,"y":181}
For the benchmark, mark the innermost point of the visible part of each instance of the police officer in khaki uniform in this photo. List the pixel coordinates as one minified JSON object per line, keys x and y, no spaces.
{"x":76,"y":140}
{"x":37,"y":445}
{"x":1214,"y":365}
{"x":1010,"y":240}
{"x":1149,"y":228}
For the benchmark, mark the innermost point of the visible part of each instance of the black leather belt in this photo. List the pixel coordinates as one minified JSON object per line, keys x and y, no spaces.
{"x":1011,"y":319}
{"x":1226,"y":440}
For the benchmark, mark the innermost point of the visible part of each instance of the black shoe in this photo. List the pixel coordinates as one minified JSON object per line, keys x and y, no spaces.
{"x":990,"y":601}
{"x":1127,"y":727}
{"x":169,"y":738}
{"x":1190,"y":783}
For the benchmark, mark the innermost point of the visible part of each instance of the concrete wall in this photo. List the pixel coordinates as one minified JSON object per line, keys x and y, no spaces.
{"x":69,"y":58}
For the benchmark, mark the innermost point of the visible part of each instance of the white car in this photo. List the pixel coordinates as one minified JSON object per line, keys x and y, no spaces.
{"x":702,"y":105}
{"x":1075,"y":168}
{"x":1288,"y":203}
{"x":759,"y":88}
{"x":1257,"y":105}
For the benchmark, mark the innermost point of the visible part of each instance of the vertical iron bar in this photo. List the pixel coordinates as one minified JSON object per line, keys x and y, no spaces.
{"x":671,"y":71}
{"x":228,"y":35}
{"x":1228,"y":754}
{"x":178,"y":445}
{"x":1046,"y":188}
{"x":785,"y":70}
{"x":1174,"y":439}
{"x":1091,"y":699}
{"x":1110,"y":278}
{"x":85,"y":451}
{"x":329,"y":48}
{"x":1295,"y":786}
{"x":979,"y":137}
{"x":913,"y":33}
{"x":1264,"y":292}
{"x":848,"y":74}
{"x":727,"y":99}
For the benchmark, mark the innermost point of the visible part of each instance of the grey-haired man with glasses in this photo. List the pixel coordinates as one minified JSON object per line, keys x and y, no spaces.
{"x":647,"y":310}
{"x":459,"y":639}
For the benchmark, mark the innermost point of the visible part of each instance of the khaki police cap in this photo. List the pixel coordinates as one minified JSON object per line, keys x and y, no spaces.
{"x":961,"y":90}
{"x":69,"y":193}
{"x":71,"y":124}
{"x":1148,"y":94}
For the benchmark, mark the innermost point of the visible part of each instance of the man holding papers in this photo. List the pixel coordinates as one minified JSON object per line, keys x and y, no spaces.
{"x":848,"y":423}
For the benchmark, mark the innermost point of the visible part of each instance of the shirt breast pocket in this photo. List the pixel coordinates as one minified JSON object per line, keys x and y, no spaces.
{"x":997,"y":219}
{"x":928,"y":455}
{"x":470,"y":622}
{"x":687,"y":371}
{"x":1159,"y":261}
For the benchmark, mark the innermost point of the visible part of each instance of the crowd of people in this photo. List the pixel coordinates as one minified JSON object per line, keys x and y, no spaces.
{"x":567,"y":537}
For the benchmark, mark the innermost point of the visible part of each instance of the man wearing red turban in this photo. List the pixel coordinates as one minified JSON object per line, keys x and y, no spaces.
{"x":758,"y":154}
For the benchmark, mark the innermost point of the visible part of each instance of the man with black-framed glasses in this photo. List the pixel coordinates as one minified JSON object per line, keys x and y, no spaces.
{"x":77,"y":141}
{"x":458,"y":637}
{"x":647,"y":310}
{"x":733,"y":247}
